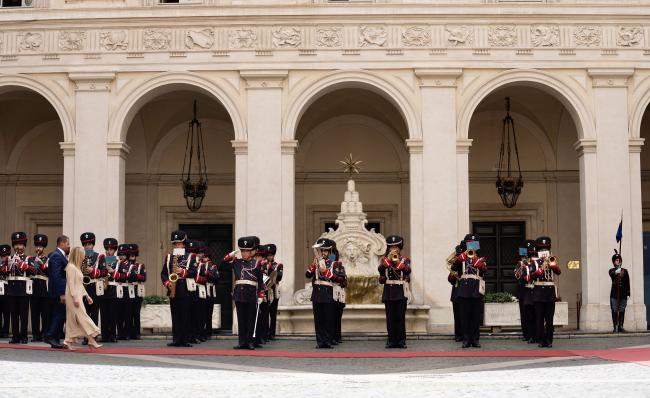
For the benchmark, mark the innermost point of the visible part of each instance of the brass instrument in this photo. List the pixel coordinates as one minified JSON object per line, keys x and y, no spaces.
{"x":470,"y":253}
{"x":451,"y":259}
{"x":86,"y":280}
{"x":85,"y":270}
{"x":173,"y":277}
{"x":548,"y":262}
{"x":109,"y":269}
{"x":394,"y":257}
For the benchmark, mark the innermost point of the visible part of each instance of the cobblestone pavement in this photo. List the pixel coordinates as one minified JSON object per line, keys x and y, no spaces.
{"x":27,"y":373}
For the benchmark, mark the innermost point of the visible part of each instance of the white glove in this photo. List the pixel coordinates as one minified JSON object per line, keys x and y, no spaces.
{"x":618,"y":271}
{"x":259,"y":300}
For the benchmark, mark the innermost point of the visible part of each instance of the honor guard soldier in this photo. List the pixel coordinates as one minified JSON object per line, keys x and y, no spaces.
{"x":544,"y":290}
{"x":620,"y":291}
{"x":20,"y":289}
{"x":471,"y":289}
{"x":5,"y":314}
{"x":109,"y":303}
{"x":275,"y":270}
{"x":525,"y":276}
{"x":263,"y":320}
{"x":137,"y":278}
{"x":40,"y":301}
{"x":212,"y":277}
{"x":248,"y":291}
{"x":340,"y":284}
{"x":453,"y":279}
{"x":321,"y":273}
{"x":88,"y":267}
{"x":177,"y":276}
{"x":394,"y":270}
{"x":199,"y":294}
{"x":124,"y":269}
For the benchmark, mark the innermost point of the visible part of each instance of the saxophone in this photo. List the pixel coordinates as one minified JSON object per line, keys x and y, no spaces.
{"x":173,"y":277}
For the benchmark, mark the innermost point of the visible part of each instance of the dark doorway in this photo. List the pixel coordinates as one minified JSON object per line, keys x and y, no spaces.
{"x":500,"y":243}
{"x":218,"y":237}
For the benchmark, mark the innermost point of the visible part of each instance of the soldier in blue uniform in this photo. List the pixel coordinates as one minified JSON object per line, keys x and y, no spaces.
{"x":278,"y":269}
{"x":107,"y":265}
{"x":321,"y":273}
{"x":40,"y":301}
{"x":394,"y":270}
{"x":137,"y":278}
{"x":92,"y":266}
{"x":248,"y":291}
{"x":453,"y":279}
{"x":543,"y":269}
{"x":178,"y":277}
{"x":619,"y":292}
{"x":5,"y":314}
{"x":19,"y":289}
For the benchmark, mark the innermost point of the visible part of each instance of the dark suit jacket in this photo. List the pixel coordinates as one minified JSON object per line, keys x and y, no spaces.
{"x":56,"y":268}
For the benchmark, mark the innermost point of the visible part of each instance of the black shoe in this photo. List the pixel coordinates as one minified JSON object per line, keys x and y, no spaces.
{"x":388,"y":345}
{"x":172,"y":344}
{"x":185,"y":345}
{"x":532,"y":341}
{"x":271,"y":338}
{"x":14,"y":341}
{"x":37,"y":339}
{"x":466,"y":345}
{"x":402,"y":345}
{"x":458,"y":339}
{"x":202,"y":339}
{"x":239,"y":347}
{"x":323,"y":346}
{"x":621,"y":330}
{"x":258,"y":345}
{"x":23,"y":340}
{"x":334,"y":342}
{"x":53,"y":343}
{"x":250,"y":347}
{"x":549,"y":345}
{"x":615,"y":329}
{"x":476,"y":345}
{"x":542,"y":345}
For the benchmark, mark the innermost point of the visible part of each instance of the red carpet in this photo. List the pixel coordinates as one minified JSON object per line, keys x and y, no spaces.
{"x":635,"y":355}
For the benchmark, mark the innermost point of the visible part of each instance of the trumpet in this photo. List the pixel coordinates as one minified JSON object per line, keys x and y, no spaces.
{"x":471,"y":253}
{"x":394,"y":257}
{"x":86,"y":280}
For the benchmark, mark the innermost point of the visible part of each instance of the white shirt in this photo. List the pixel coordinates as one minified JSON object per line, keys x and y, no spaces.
{"x":62,"y":252}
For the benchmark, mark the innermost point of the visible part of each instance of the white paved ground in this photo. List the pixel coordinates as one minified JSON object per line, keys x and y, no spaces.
{"x":185,"y":377}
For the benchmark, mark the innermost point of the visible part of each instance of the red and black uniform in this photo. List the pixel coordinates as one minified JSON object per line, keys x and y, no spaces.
{"x":19,"y":289}
{"x":91,"y":261}
{"x":340,"y":285}
{"x":263,"y":320}
{"x":5,"y":314}
{"x":105,"y":271}
{"x":619,"y":292}
{"x":453,"y":279}
{"x":199,"y":293}
{"x":322,"y":295}
{"x":394,"y":275}
{"x":212,"y":277}
{"x":123,"y":304}
{"x":524,"y":274}
{"x":278,"y":268}
{"x":471,"y":290}
{"x":137,"y":278}
{"x":40,"y":301}
{"x":544,"y":293}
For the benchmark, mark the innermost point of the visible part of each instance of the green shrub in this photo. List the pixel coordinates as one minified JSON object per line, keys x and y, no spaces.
{"x":500,"y":297}
{"x":155,"y":300}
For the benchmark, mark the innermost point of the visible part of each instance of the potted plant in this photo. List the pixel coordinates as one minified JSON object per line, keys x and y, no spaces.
{"x":501,"y":309}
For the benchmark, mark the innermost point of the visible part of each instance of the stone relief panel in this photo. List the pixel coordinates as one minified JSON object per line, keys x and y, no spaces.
{"x":72,"y":40}
{"x":242,"y":38}
{"x":330,"y":36}
{"x":114,"y":40}
{"x":372,"y":35}
{"x":545,"y":35}
{"x":502,"y":36}
{"x":203,"y":38}
{"x":416,"y":36}
{"x":286,"y":37}
{"x":629,"y":36}
{"x":460,"y":36}
{"x":587,"y":35}
{"x":30,"y":41}
{"x":157,"y":39}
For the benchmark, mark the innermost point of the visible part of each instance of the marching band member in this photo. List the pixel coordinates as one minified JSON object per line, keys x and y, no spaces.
{"x":124,"y":269}
{"x":91,"y":266}
{"x":321,"y":273}
{"x":248,"y":291}
{"x":212,"y":277}
{"x":178,"y":277}
{"x":452,"y":278}
{"x":394,"y":271}
{"x":544,"y":291}
{"x":40,"y":301}
{"x":340,"y":283}
{"x":19,"y":289}
{"x":137,"y":278}
{"x":521,"y":287}
{"x":471,"y":289}
{"x":199,"y":295}
{"x":5,"y":314}
{"x":526,"y":278}
{"x":619,"y":292}
{"x":271,"y":250}
{"x":262,"y":329}
{"x":107,"y":267}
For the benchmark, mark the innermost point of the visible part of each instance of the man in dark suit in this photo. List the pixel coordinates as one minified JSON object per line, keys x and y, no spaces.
{"x":58,"y":259}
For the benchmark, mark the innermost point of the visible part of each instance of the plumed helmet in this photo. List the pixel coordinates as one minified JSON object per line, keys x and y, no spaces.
{"x":616,"y":256}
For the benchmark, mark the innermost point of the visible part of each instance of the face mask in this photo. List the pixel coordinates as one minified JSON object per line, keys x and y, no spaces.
{"x":178,"y":251}
{"x":543,"y":253}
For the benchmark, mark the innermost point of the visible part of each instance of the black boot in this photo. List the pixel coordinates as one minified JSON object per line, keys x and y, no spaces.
{"x":621,"y":320}
{"x":615,"y":321}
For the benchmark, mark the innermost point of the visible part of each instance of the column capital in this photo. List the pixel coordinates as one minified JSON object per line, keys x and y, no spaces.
{"x":463,"y":145}
{"x":289,"y":147}
{"x":260,"y":79}
{"x":610,"y":77}
{"x":415,"y":146}
{"x":120,"y":149}
{"x":438,"y":77}
{"x":67,"y":148}
{"x":99,"y":81}
{"x":240,"y":147}
{"x":636,"y":144}
{"x":585,"y":145}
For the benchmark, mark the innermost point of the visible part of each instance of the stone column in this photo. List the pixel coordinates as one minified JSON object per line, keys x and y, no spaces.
{"x":93,"y":206}
{"x":462,"y":177}
{"x":417,"y":223}
{"x":288,"y":242}
{"x":68,"y":187}
{"x":439,"y":188}
{"x":115,"y":189}
{"x":636,"y":320}
{"x":241,"y":167}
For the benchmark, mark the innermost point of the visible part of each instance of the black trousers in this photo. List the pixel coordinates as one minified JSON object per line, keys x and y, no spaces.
{"x":5,"y":315}
{"x":246,"y":313}
{"x":40,"y":311}
{"x":544,"y":312}
{"x":198,"y":316}
{"x":458,"y":332}
{"x":92,"y":309}
{"x":324,"y":322}
{"x":181,"y":328}
{"x":19,"y":307}
{"x":124,"y":316}
{"x":470,"y":309}
{"x":273,"y":317}
{"x":396,"y":321}
{"x":136,"y":305}
{"x":209,"y":310}
{"x":262,"y":331}
{"x":109,"y":308}
{"x":55,"y":331}
{"x":529,"y":322}
{"x":338,"y":320}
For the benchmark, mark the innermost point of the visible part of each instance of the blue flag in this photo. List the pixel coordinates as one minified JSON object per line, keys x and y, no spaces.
{"x":619,"y":232}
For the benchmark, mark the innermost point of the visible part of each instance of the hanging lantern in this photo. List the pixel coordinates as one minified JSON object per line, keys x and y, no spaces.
{"x":194,"y":177}
{"x":509,"y":183}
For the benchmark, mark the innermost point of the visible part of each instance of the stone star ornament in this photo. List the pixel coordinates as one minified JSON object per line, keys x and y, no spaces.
{"x":350,"y":165}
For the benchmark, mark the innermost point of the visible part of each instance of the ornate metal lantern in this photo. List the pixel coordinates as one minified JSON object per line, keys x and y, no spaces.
{"x":509,"y":183}
{"x":194,"y":177}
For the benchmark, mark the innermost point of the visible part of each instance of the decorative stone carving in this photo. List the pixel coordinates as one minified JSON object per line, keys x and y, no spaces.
{"x":330,"y":36}
{"x":416,"y":36}
{"x":242,"y":38}
{"x":587,"y":36}
{"x":30,"y":41}
{"x":303,"y":296}
{"x":458,"y":36}
{"x":286,"y":36}
{"x":372,"y":35}
{"x":72,"y":40}
{"x":114,"y":40}
{"x":203,"y":38}
{"x":629,"y":36}
{"x":502,"y":36}
{"x":157,"y":39}
{"x":545,"y":35}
